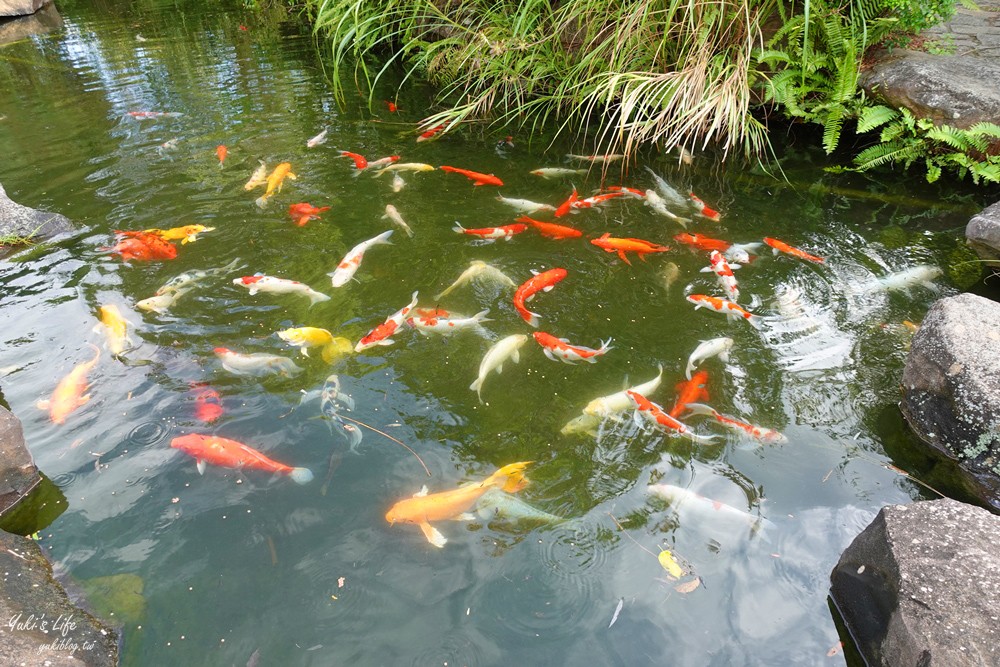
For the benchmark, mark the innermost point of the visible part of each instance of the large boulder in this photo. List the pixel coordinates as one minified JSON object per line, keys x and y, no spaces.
{"x":44,"y":20}
{"x":20,"y":7}
{"x":920,"y":586}
{"x":22,"y":221}
{"x":18,"y":474}
{"x":951,"y":388}
{"x":983,"y":233}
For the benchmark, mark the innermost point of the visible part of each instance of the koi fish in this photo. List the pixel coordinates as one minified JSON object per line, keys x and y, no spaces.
{"x":679,"y":495}
{"x":587,"y":424}
{"x":596,"y":200}
{"x":706,"y":350}
{"x":703,"y":209}
{"x":907,"y":278}
{"x":556,"y":172}
{"x":391,"y":106}
{"x":491,"y":233}
{"x":781,"y":246}
{"x":720,"y":267}
{"x":318,"y":139}
{"x":383,"y":162}
{"x":765,"y":435}
{"x":618,"y":402}
{"x":623,"y":245}
{"x":655,"y":415}
{"x":161,"y":303}
{"x":659,"y":205}
{"x":480,"y":179}
{"x":405,"y":166}
{"x":634,"y":193}
{"x":262,"y":283}
{"x":69,"y":393}
{"x":142,"y":247}
{"x":397,"y":183}
{"x":423,"y":508}
{"x":168,"y":145}
{"x":115,"y":329}
{"x":479,"y":271}
{"x":541,"y":282}
{"x":596,"y":159}
{"x":702,"y":242}
{"x":567,"y":205}
{"x":740,"y":252}
{"x":360,"y":162}
{"x":495,"y":504}
{"x":232,"y":454}
{"x":551,"y":230}
{"x":380,"y":335}
{"x":188,"y":279}
{"x":496,"y":357}
{"x":669,"y":193}
{"x":208,"y":403}
{"x":727,"y":308}
{"x":689,"y":391}
{"x":257,"y":364}
{"x":559,"y":349}
{"x":397,"y":219}
{"x":258,"y":178}
{"x":434,"y":323}
{"x":154,"y":114}
{"x":186,"y":234}
{"x":275,"y":181}
{"x":332,"y":402}
{"x":306,"y":337}
{"x":221,"y":152}
{"x":670,"y":273}
{"x":304,"y":212}
{"x":524,"y":205}
{"x":352,"y":260}
{"x":431,"y":133}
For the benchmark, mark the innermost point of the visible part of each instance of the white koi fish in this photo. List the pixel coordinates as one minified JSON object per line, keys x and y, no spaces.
{"x":557,"y":172}
{"x":380,"y":335}
{"x":524,"y":205}
{"x":188,"y":279}
{"x":261,"y":283}
{"x":670,"y":194}
{"x":720,"y":267}
{"x":257,"y":364}
{"x":706,"y":506}
{"x":587,"y":424}
{"x":480,"y":271}
{"x":397,"y":183}
{"x":766,"y":435}
{"x":258,"y":178}
{"x":618,"y":402}
{"x":161,"y":303}
{"x":659,"y":205}
{"x":596,"y":159}
{"x":706,"y":350}
{"x":434,"y":323}
{"x":740,"y":252}
{"x":902,"y":281}
{"x":397,"y":219}
{"x":495,"y":504}
{"x":318,"y":139}
{"x":349,"y":265}
{"x":495,"y":357}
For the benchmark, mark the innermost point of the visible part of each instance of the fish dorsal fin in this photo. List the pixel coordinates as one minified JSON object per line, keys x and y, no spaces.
{"x":421,"y":493}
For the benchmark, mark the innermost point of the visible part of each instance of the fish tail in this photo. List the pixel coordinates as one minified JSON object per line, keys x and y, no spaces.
{"x":481,"y":316}
{"x":458,"y":228}
{"x":477,"y":387}
{"x":301,"y":475}
{"x":261,"y":201}
{"x":701,"y":409}
{"x":510,"y":477}
{"x":328,"y":353}
{"x":317,"y":298}
{"x":754,"y":321}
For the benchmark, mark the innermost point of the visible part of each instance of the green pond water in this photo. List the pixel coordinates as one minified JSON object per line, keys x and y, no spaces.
{"x":233,"y":563}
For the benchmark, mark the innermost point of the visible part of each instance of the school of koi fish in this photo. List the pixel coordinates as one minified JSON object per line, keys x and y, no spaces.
{"x":490,"y":496}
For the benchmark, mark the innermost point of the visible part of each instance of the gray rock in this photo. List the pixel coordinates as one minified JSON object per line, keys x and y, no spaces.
{"x":951,"y":387}
{"x":32,"y":603}
{"x":44,"y":20}
{"x":18,"y":474}
{"x":983,"y":233}
{"x":957,"y":90}
{"x":20,"y":7}
{"x":920,"y":586}
{"x":20,"y":220}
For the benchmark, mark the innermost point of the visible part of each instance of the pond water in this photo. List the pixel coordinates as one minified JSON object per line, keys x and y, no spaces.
{"x":234,"y":563}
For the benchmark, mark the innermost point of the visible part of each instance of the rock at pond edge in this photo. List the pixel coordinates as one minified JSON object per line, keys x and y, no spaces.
{"x":983,"y":234}
{"x":23,"y":221}
{"x":18,"y":474}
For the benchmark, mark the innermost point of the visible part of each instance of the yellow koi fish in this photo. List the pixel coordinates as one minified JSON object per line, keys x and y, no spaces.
{"x":275,"y":180}
{"x":306,"y":337}
{"x":185,"y":234}
{"x":422,"y":508}
{"x":258,"y":178}
{"x":115,"y":329}
{"x":69,"y":393}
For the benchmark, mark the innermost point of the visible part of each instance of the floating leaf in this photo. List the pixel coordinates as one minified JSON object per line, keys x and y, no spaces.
{"x":670,"y":564}
{"x":688,"y":586}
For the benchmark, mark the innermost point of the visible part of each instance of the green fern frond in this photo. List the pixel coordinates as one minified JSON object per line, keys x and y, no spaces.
{"x":879,"y":154}
{"x":933,"y":170}
{"x":949,"y":135}
{"x":831,"y":129}
{"x":875,"y":116}
{"x":985,"y":129}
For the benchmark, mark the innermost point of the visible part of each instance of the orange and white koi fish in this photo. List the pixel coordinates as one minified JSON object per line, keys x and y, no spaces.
{"x":380,"y":335}
{"x":595,"y":200}
{"x":551,"y":230}
{"x":352,"y":260}
{"x":567,"y":205}
{"x":781,"y":246}
{"x":703,"y":209}
{"x":258,"y":178}
{"x":360,"y":162}
{"x":69,"y":393}
{"x":559,"y":349}
{"x":655,"y":415}
{"x":257,"y":364}
{"x":262,"y":283}
{"x":384,"y":162}
{"x":303,"y":212}
{"x":765,"y":435}
{"x":447,"y":323}
{"x":707,"y":506}
{"x":431,"y":133}
{"x":480,"y":179}
{"x":115,"y":329}
{"x":634,"y":193}
{"x":720,"y":267}
{"x":624,"y":245}
{"x":232,"y":454}
{"x":318,"y":139}
{"x":727,"y":308}
{"x":275,"y":181}
{"x":492,"y":233}
{"x":454,"y":505}
{"x":702,"y":242}
{"x":541,"y":282}
{"x":525,"y":205}
{"x":689,"y":391}
{"x":221,"y":152}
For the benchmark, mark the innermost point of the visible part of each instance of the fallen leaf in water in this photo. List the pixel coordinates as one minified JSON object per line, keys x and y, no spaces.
{"x":618,"y":610}
{"x":340,"y":582}
{"x":688,"y":586}
{"x":835,"y":649}
{"x":669,"y":564}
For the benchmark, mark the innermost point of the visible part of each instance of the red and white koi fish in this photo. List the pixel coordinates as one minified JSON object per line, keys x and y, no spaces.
{"x":360,"y":162}
{"x":765,"y":435}
{"x":541,"y":282}
{"x":304,"y":212}
{"x":492,"y":233}
{"x":781,"y":246}
{"x":634,"y":193}
{"x":707,"y":506}
{"x":431,"y":133}
{"x":257,"y":364}
{"x":447,"y":323}
{"x":232,"y":454}
{"x":565,"y":207}
{"x":550,"y":229}
{"x":272,"y":285}
{"x":689,"y":391}
{"x":727,"y":308}
{"x":69,"y":393}
{"x":383,"y":162}
{"x":703,"y":209}
{"x":621,"y":246}
{"x":720,"y":267}
{"x":559,"y":349}
{"x":352,"y":260}
{"x":655,"y":415}
{"x":596,"y":200}
{"x":480,"y":179}
{"x":380,"y":335}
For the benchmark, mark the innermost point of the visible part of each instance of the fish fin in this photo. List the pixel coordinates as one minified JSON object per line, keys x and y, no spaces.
{"x":477,"y":387}
{"x":253,"y":291}
{"x":385,"y":341}
{"x":701,"y":409}
{"x":43,"y":404}
{"x":723,"y":356}
{"x":548,"y":353}
{"x":637,"y":418}
{"x":515,"y":357}
{"x":705,"y":269}
{"x":481,"y":316}
{"x":201,"y":465}
{"x":421,"y":493}
{"x":621,"y":254}
{"x":464,"y":516}
{"x":687,"y":371}
{"x":301,"y":475}
{"x":304,"y":351}
{"x":261,"y":201}
{"x":499,"y":369}
{"x":754,"y":321}
{"x":511,"y":477}
{"x":458,"y":228}
{"x":433,"y":535}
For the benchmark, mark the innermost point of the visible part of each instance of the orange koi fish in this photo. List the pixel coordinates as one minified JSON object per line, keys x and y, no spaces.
{"x":232,"y":454}
{"x":727,"y":308}
{"x":551,"y":230}
{"x":221,"y":152}
{"x":654,"y":414}
{"x":480,"y":179}
{"x":542,"y":282}
{"x":275,"y":181}
{"x":391,"y":106}
{"x":69,"y":393}
{"x":766,"y":435}
{"x":559,"y":349}
{"x":565,"y":207}
{"x":142,"y":246}
{"x":704,"y":210}
{"x":702,"y":242}
{"x":622,"y":246}
{"x":781,"y":246}
{"x":208,"y":403}
{"x":359,"y":160}
{"x":431,"y":133}
{"x":380,"y":335}
{"x":690,"y":391}
{"x":492,"y":233}
{"x":304,"y":212}
{"x":423,"y":508}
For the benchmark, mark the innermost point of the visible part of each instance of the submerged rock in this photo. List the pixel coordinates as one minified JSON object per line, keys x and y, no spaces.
{"x":951,"y":387}
{"x":983,"y":234}
{"x":920,"y":586}
{"x":22,"y":221}
{"x":20,"y":7}
{"x":18,"y":474}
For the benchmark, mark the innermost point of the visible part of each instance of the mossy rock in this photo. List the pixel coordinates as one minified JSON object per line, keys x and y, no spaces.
{"x":894,"y":236}
{"x":963,"y":266}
